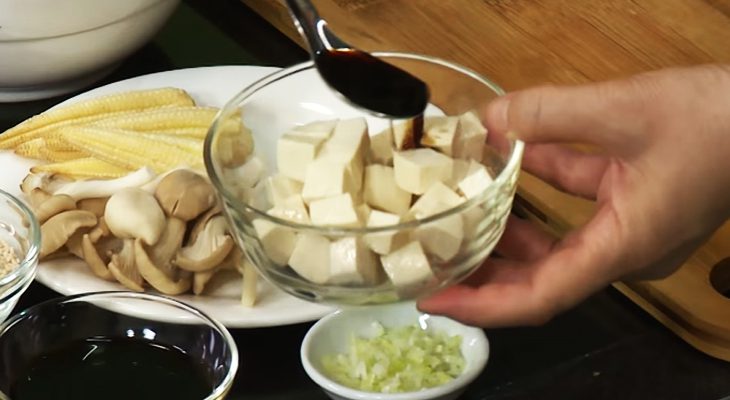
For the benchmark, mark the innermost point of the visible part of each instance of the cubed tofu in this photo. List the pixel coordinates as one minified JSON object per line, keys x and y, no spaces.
{"x":384,"y":242}
{"x":353,"y":263}
{"x":437,"y":198}
{"x":334,"y":211}
{"x":408,"y":267}
{"x":318,"y":129}
{"x":291,"y":209}
{"x":404,"y":134}
{"x":476,"y":181}
{"x":381,"y":147}
{"x":441,"y":238}
{"x":279,"y":188}
{"x":349,"y":144}
{"x":295,"y":153}
{"x":327,"y":177}
{"x":381,"y":191}
{"x":418,"y":169}
{"x":363,"y":213}
{"x":311,"y":258}
{"x":441,"y":133}
{"x":460,"y":169}
{"x":277,"y":241}
{"x":471,"y":138}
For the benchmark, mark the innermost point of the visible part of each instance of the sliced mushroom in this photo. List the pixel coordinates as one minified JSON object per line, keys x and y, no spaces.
{"x":100,"y":230}
{"x":53,"y":205}
{"x":169,"y":243}
{"x":59,"y":228}
{"x":209,"y":249}
{"x":200,"y":223}
{"x":93,"y":204}
{"x":156,"y":276}
{"x":124,"y":268}
{"x":184,"y":194}
{"x":92,"y":258}
{"x":73,"y":244}
{"x":134,"y":213}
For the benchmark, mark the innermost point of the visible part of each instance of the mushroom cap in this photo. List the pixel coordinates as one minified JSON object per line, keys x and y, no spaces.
{"x":134,"y":213}
{"x":56,"y":231}
{"x":185,"y":194}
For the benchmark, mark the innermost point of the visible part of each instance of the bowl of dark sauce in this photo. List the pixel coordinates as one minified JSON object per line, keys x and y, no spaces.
{"x":82,"y":347}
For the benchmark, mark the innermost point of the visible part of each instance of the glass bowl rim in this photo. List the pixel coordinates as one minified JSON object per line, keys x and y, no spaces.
{"x":219,"y":390}
{"x":29,"y":262}
{"x":512,"y":164}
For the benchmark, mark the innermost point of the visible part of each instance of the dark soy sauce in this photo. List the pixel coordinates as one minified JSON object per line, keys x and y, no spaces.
{"x":113,"y":369}
{"x":372,"y":83}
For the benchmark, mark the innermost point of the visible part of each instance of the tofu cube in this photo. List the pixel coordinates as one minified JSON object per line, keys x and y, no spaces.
{"x":440,"y":133}
{"x":381,"y":147}
{"x":291,"y":209}
{"x":363,"y":213}
{"x":349,"y":144}
{"x":382,"y":192}
{"x":334,"y":211}
{"x":460,"y":169}
{"x":404,"y":137}
{"x":408,"y":267}
{"x":311,"y":258}
{"x":471,"y":138}
{"x":416,"y":170}
{"x":443,"y":237}
{"x":476,"y":181}
{"x":295,"y":153}
{"x":277,"y":241}
{"x":352,"y":263}
{"x":384,"y":242}
{"x":437,"y":198}
{"x":317,"y":129}
{"x":327,"y":177}
{"x":279,"y":188}
{"x":246,"y":175}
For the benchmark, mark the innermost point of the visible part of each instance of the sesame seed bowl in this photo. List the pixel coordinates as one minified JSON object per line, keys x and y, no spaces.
{"x":20,"y":238}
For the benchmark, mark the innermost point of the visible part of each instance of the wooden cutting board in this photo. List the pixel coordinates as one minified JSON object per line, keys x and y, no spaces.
{"x":520,"y":43}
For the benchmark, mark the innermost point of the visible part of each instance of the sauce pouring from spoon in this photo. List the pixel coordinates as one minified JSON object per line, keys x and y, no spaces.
{"x":362,"y":79}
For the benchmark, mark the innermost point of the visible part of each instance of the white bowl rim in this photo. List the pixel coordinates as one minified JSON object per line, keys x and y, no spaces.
{"x":470,"y":373}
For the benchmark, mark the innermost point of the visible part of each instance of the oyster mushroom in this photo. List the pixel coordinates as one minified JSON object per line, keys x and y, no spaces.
{"x":93,"y":188}
{"x":59,"y":228}
{"x":208,"y":249}
{"x":53,"y":205}
{"x":124,"y":268}
{"x":157,"y":277}
{"x":97,"y":232}
{"x":93,"y":204}
{"x":184,"y":194}
{"x":134,"y":213}
{"x":37,"y":196}
{"x":92,"y":258}
{"x":202,"y":221}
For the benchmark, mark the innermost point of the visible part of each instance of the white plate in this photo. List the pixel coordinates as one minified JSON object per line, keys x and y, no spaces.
{"x":211,"y":86}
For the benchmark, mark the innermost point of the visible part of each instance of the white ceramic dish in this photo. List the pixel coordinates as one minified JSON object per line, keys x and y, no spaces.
{"x":332,"y":333}
{"x":50,"y":47}
{"x":211,"y":86}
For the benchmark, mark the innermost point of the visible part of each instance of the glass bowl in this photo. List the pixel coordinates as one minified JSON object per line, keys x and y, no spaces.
{"x":422,"y":254}
{"x":19,"y":229}
{"x":93,"y":318}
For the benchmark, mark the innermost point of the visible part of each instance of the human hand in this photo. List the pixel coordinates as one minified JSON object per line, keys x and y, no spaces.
{"x":661,"y":186}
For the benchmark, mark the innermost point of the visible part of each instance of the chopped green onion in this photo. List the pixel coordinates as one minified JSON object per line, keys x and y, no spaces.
{"x":403,"y":359}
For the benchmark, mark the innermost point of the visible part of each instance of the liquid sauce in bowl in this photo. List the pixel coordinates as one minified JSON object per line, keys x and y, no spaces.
{"x":113,"y":369}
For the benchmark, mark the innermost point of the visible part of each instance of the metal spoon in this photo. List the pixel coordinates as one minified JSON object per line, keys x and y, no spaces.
{"x":362,"y":79}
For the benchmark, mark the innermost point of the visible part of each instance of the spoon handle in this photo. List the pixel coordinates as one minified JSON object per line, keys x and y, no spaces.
{"x":312,"y":27}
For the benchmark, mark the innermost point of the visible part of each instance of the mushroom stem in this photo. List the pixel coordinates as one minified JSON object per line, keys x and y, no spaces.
{"x":59,"y":228}
{"x":155,"y":276}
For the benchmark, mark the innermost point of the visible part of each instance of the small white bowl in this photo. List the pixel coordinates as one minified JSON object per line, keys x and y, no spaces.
{"x":332,"y":334}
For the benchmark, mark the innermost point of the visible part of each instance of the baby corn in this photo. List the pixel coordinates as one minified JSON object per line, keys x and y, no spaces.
{"x":83,"y":168}
{"x":94,"y":109}
{"x":129,"y":150}
{"x":161,"y":119}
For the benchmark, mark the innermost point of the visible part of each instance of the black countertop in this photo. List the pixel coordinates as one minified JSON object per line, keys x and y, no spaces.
{"x":605,"y":348}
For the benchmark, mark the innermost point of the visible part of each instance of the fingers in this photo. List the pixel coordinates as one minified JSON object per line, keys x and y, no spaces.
{"x":523,"y":241}
{"x":531,"y":292}
{"x":569,"y":170}
{"x":604,"y":114}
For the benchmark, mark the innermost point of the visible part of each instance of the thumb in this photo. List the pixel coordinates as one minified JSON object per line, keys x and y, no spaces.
{"x":604,"y":114}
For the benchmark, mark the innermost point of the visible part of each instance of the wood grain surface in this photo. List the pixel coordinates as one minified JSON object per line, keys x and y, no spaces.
{"x":522,"y":43}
